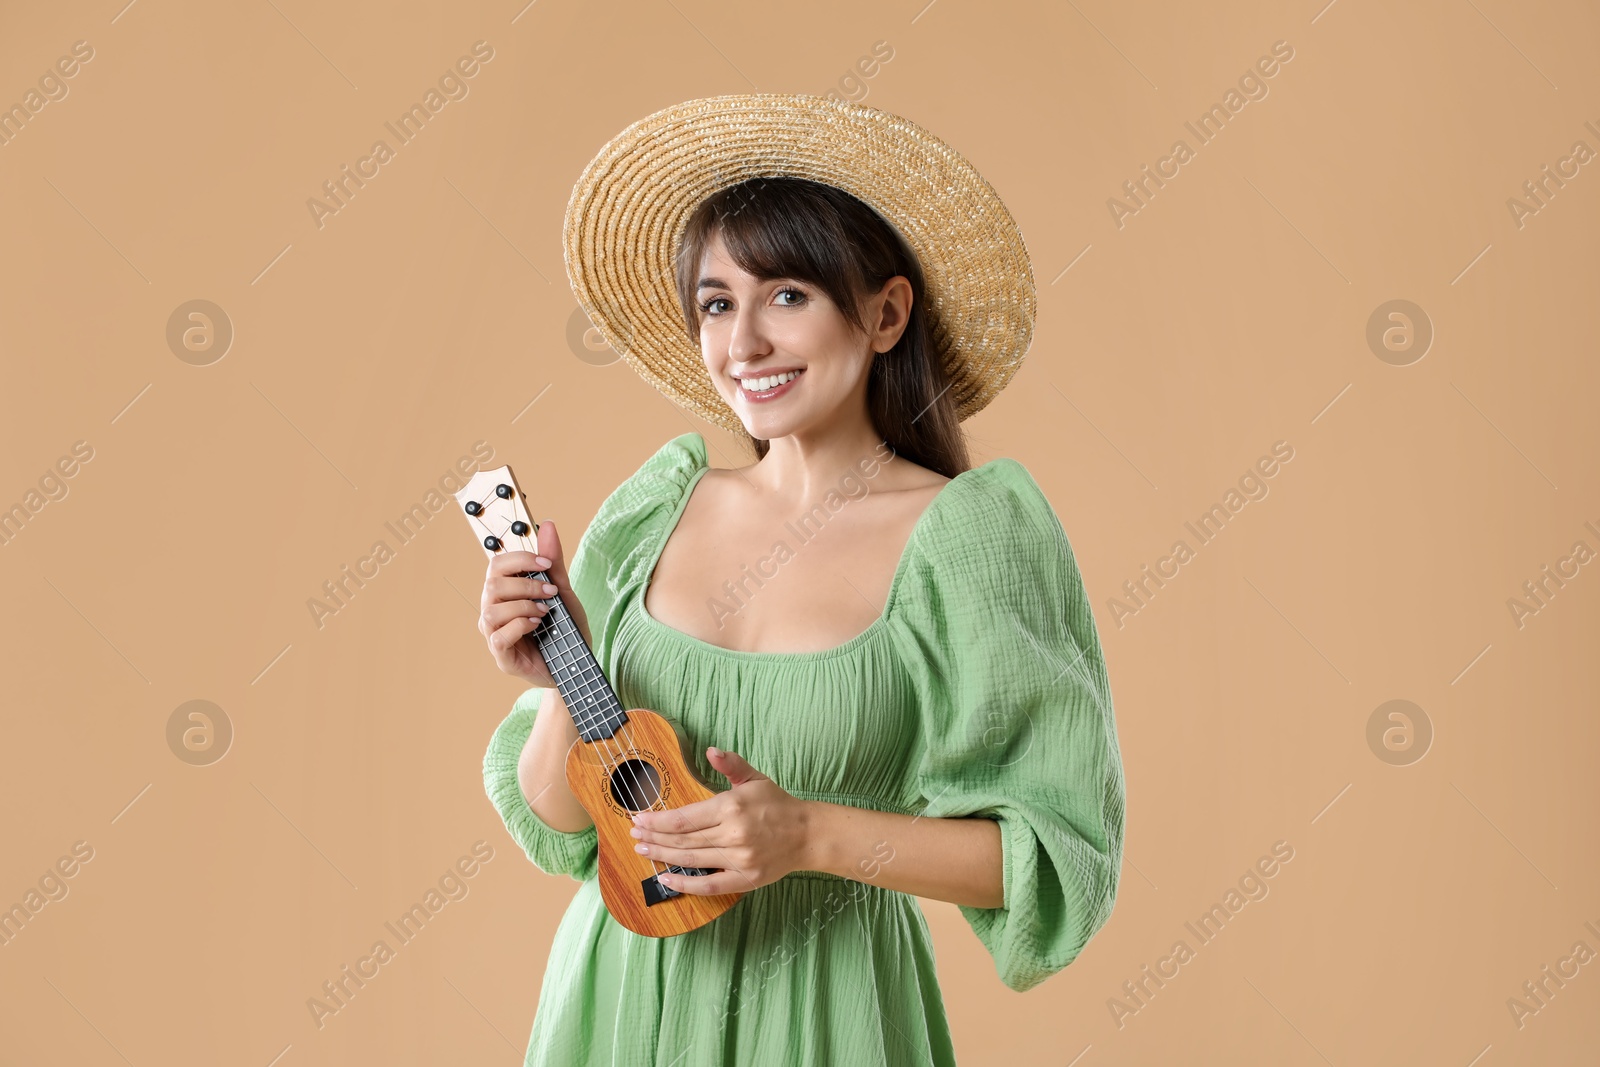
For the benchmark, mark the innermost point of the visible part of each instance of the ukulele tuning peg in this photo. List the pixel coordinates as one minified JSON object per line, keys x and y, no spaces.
{"x":474,"y":508}
{"x":503,"y":491}
{"x":492,"y":543}
{"x":519,"y":528}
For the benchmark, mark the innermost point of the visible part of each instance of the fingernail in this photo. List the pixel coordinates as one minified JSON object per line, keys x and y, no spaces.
{"x":636,"y":832}
{"x":714,"y":751}
{"x":548,"y":588}
{"x":542,"y":562}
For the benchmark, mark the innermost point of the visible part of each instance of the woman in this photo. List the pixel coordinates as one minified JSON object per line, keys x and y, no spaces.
{"x":956,"y":743}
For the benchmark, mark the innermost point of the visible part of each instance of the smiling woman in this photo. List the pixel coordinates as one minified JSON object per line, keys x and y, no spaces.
{"x":774,"y":233}
{"x":915,"y":706}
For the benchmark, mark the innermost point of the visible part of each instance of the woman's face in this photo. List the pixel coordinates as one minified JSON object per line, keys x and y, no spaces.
{"x":752,"y":329}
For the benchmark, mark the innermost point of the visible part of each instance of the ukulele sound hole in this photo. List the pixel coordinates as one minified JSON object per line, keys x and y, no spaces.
{"x":636,"y":785}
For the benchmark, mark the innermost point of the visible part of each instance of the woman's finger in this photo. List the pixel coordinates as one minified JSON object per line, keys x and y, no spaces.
{"x":733,"y":767}
{"x":503,"y":611}
{"x":512,"y":632}
{"x":684,"y":857}
{"x":514,"y":561}
{"x":550,"y":548}
{"x":697,"y":816}
{"x":708,"y":885}
{"x":709,"y":837}
{"x":515,"y":587}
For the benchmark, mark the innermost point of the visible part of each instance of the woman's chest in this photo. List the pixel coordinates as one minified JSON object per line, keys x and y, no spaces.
{"x":834,"y":723}
{"x":770,"y":583}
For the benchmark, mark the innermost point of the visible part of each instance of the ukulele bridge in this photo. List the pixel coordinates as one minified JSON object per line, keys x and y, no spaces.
{"x":655,"y":892}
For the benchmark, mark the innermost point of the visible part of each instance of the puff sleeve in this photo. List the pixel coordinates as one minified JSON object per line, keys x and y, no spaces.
{"x":607,"y":561}
{"x":552,"y":851}
{"x":1016,"y":716}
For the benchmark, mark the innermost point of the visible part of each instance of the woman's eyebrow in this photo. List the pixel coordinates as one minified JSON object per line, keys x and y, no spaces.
{"x":718,"y":283}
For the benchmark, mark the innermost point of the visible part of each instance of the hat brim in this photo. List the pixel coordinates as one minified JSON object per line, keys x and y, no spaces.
{"x":628,"y":210}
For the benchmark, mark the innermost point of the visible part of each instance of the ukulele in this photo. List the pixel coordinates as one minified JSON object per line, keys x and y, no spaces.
{"x":623,"y":761}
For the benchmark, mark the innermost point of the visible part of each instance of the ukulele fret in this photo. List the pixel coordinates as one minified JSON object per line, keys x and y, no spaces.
{"x":589,"y":698}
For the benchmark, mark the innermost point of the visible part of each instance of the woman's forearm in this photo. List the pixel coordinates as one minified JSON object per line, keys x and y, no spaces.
{"x":542,"y":767}
{"x":952,"y":859}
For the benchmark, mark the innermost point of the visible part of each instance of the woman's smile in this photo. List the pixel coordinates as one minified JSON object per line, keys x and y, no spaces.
{"x":776,"y":385}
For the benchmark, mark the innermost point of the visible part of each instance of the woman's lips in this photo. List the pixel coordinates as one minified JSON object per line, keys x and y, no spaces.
{"x":770,"y":394}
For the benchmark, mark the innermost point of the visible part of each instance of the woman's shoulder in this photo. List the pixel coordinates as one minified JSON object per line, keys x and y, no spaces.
{"x":660,"y":479}
{"x":646,"y":499}
{"x":990,"y":542}
{"x":674,"y":462}
{"x":991,"y":515}
{"x":994,"y":573}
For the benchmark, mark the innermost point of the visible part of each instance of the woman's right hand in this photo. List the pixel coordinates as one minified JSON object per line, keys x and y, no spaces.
{"x":513,"y":606}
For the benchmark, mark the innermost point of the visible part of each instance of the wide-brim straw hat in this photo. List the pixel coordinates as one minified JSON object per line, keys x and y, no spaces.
{"x":628,"y":210}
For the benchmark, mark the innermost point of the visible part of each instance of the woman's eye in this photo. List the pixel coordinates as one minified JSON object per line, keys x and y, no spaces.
{"x":710,"y":306}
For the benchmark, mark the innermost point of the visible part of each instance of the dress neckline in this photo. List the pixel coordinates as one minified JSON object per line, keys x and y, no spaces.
{"x":877,"y":624}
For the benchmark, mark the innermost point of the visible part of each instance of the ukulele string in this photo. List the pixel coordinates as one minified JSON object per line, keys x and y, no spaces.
{"x":615,"y":763}
{"x":650,"y":797}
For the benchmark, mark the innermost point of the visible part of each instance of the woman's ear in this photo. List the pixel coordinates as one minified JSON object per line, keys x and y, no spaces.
{"x":890,"y":312}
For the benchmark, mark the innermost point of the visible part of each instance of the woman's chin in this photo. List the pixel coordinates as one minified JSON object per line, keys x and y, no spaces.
{"x":762,"y":429}
{"x":762,"y":424}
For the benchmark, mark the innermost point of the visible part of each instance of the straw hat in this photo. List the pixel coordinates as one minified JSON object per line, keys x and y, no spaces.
{"x":627,"y":213}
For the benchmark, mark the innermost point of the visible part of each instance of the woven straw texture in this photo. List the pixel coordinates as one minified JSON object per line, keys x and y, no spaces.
{"x":627,"y":213}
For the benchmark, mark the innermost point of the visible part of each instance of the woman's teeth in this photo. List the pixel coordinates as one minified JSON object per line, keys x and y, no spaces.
{"x":761,"y":385}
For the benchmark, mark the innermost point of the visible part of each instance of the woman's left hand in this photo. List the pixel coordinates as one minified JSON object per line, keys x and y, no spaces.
{"x":755,"y":832}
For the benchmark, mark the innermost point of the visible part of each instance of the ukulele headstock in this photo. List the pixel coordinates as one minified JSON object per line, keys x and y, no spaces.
{"x":496,"y":508}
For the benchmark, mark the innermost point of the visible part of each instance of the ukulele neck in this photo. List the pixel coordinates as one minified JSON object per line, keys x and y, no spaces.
{"x":496,"y":508}
{"x":594,"y":707}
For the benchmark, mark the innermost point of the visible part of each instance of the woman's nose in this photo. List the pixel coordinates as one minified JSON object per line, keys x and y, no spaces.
{"x":749,"y":339}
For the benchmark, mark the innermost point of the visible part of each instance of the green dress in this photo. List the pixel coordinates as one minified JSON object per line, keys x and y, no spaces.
{"x":980,"y":690}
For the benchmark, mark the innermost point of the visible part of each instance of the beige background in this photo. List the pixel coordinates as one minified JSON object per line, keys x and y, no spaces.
{"x":1230,"y":312}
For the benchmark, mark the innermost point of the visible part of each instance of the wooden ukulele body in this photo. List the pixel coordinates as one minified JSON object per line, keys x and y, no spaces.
{"x":639,"y":767}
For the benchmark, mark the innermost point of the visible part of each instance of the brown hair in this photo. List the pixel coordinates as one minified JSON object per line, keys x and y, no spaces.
{"x":812,"y":232}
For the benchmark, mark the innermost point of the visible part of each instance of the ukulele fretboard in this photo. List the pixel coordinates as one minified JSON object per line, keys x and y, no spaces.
{"x":593,"y":705}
